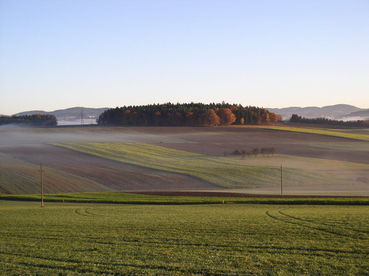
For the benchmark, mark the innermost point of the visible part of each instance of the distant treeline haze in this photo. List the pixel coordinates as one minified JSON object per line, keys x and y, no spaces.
{"x":37,"y":120}
{"x":192,"y":114}
{"x":324,"y":121}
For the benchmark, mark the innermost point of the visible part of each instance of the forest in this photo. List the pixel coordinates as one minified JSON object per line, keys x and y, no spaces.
{"x":35,"y":120}
{"x":324,"y":121}
{"x":189,"y":114}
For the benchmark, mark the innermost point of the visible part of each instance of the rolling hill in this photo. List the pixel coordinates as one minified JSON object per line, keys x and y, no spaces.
{"x":357,"y":115}
{"x":183,"y":158}
{"x":69,"y":114}
{"x":337,"y":111}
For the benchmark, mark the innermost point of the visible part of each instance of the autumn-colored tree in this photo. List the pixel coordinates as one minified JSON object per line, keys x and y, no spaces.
{"x":266,"y":117}
{"x":210,"y":118}
{"x":190,"y":114}
{"x":226,"y":116}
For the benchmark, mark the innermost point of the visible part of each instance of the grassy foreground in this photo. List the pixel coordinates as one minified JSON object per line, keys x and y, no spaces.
{"x":72,"y":238}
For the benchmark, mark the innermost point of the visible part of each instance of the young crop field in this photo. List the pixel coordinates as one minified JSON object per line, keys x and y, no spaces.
{"x":220,"y":171}
{"x":232,"y":239}
{"x":353,"y":134}
{"x":226,"y":172}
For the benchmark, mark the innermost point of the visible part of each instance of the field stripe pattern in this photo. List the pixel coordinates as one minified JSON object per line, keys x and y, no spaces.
{"x":181,"y":240}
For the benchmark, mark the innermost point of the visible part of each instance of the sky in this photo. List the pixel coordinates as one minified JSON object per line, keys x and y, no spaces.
{"x":62,"y":53}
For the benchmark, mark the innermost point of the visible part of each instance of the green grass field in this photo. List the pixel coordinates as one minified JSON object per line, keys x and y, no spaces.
{"x":232,"y":239}
{"x":353,"y":134}
{"x":221,"y":171}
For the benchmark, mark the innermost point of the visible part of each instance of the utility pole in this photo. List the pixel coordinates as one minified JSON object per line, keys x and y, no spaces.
{"x":281,"y":180}
{"x":82,"y":121}
{"x":42,"y":185}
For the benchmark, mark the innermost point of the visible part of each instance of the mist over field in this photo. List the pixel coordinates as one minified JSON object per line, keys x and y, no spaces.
{"x":98,"y":159}
{"x":355,"y":118}
{"x":77,"y":122}
{"x":12,"y":135}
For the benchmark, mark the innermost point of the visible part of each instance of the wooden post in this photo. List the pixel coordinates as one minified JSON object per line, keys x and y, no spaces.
{"x":42,"y":185}
{"x":281,"y":181}
{"x":82,"y":120}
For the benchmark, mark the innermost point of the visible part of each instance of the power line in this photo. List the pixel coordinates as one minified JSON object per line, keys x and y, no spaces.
{"x":281,"y":180}
{"x":82,"y":120}
{"x":42,"y":185}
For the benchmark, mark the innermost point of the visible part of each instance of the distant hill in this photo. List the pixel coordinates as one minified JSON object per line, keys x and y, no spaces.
{"x":362,"y":114}
{"x":32,"y":112}
{"x":337,"y":112}
{"x":70,"y":115}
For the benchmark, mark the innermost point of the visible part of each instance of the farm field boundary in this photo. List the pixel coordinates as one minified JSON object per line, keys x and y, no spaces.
{"x":217,"y":198}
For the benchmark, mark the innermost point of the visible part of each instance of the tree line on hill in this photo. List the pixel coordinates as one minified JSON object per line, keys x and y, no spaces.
{"x":324,"y":121}
{"x":35,"y":120}
{"x":191,"y":114}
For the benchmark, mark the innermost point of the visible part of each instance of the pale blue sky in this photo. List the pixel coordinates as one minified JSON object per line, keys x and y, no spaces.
{"x":63,"y":53}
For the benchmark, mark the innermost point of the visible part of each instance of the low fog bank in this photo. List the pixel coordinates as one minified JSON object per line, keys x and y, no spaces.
{"x":76,"y":122}
{"x":11,"y":135}
{"x":356,"y":118}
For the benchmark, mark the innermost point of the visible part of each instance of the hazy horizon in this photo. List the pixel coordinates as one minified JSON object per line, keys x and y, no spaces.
{"x":97,"y":107}
{"x":60,"y":54}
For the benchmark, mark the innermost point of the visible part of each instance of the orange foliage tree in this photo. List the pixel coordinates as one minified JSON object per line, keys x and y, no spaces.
{"x":210,"y":118}
{"x":226,"y":116}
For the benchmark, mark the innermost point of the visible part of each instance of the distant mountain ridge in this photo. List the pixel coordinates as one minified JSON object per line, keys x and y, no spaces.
{"x":69,"y":114}
{"x":336,"y":112}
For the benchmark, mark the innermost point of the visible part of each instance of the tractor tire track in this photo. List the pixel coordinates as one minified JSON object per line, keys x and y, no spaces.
{"x":322,"y":223}
{"x":286,"y":220}
{"x":81,"y":212}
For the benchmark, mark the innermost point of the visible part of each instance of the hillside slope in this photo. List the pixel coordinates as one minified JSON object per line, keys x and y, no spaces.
{"x":332,"y":111}
{"x":224,"y":172}
{"x":358,"y":115}
{"x":73,"y":113}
